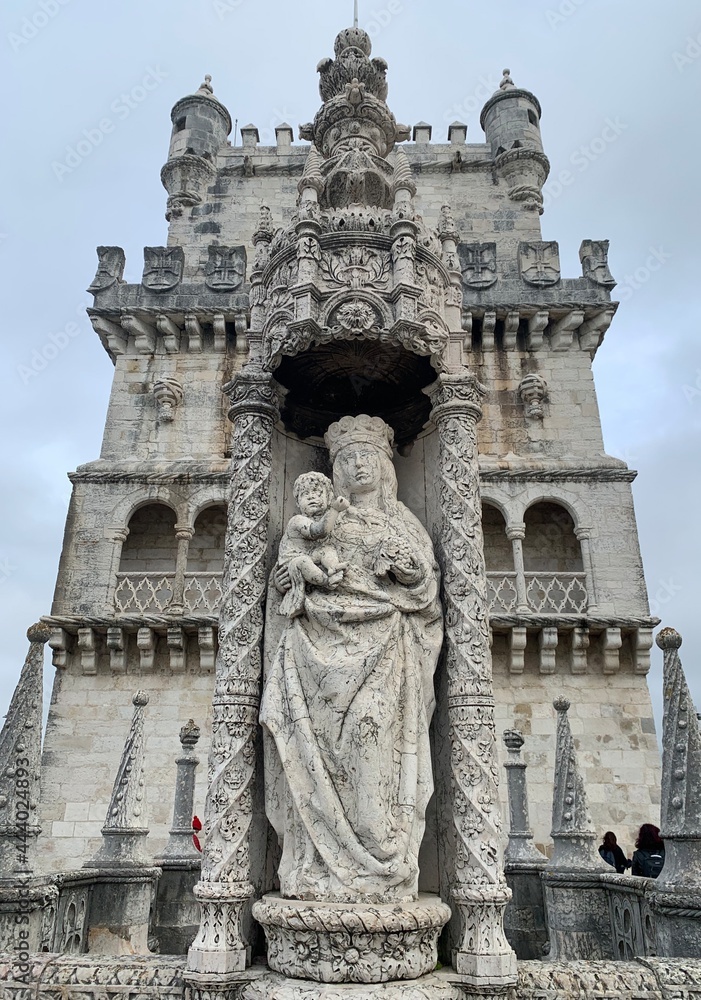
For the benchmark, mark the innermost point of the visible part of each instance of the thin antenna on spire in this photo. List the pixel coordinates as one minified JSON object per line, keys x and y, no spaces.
{"x":355,"y":19}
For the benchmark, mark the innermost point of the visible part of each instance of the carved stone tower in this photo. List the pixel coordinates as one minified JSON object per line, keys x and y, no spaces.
{"x":357,"y":274}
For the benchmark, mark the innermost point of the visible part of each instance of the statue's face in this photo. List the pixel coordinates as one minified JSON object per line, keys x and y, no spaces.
{"x":360,"y":468}
{"x":312,"y":499}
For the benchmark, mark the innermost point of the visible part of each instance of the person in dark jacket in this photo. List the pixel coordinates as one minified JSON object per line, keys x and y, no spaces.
{"x":612,"y":854}
{"x":648,"y":859}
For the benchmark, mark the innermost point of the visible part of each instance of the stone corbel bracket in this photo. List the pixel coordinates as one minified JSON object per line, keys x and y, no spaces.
{"x":532,"y":391}
{"x":169,"y":396}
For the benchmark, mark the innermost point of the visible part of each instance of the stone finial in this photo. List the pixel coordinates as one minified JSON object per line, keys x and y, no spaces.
{"x":312,"y":182}
{"x":520,"y":849}
{"x":189,"y":734}
{"x":205,"y":89}
{"x":169,"y":396}
{"x":125,"y":823}
{"x":506,"y":83}
{"x":532,"y":391}
{"x":266,"y":226}
{"x":572,"y":831}
{"x":20,"y":761}
{"x":180,"y":849}
{"x":681,"y":770}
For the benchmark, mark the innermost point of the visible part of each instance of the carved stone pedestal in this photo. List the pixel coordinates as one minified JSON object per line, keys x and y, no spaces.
{"x":272,"y":986}
{"x":352,"y":942}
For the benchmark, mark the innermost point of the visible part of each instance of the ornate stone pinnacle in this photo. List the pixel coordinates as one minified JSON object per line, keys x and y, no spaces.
{"x":125,"y":823}
{"x":20,"y":757}
{"x":681,"y":771}
{"x":572,"y":831}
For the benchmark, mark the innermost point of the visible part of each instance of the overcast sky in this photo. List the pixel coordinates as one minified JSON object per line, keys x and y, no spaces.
{"x":619,"y":82}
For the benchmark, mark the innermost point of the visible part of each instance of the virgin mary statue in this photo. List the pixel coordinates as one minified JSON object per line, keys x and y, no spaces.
{"x":349,"y":696}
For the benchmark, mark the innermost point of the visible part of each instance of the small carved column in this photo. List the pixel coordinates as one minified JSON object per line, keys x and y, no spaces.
{"x":516,"y":534}
{"x":225,"y":888}
{"x":184,"y":534}
{"x":180,"y":846}
{"x":584,"y":537}
{"x":118,"y":537}
{"x":520,"y":847}
{"x":484,"y":957}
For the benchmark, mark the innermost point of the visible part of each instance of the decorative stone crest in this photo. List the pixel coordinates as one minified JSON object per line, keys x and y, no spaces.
{"x":169,"y":396}
{"x":163,"y":268}
{"x":226,"y":268}
{"x":532,"y":390}
{"x":110,"y":268}
{"x":478,"y":263}
{"x":594,"y":255}
{"x":539,"y":263}
{"x":356,"y":267}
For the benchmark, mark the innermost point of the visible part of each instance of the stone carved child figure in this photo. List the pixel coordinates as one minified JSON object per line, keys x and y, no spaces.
{"x":306,"y":561}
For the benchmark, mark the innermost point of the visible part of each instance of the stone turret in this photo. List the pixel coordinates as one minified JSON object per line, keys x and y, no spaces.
{"x":201,"y":125}
{"x":511,"y":122}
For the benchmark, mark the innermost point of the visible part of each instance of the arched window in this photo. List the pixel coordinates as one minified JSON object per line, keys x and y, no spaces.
{"x":148,"y":560}
{"x":502,"y":592}
{"x":552,"y":556}
{"x":205,"y":560}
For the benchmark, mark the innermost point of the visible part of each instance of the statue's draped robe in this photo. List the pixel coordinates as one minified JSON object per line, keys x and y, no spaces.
{"x":348,"y":702}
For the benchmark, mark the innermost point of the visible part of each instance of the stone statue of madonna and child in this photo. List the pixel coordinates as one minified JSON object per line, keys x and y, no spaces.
{"x":346,"y":709}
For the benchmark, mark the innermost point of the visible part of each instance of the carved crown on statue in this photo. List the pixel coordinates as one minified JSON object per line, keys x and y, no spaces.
{"x":359,"y":430}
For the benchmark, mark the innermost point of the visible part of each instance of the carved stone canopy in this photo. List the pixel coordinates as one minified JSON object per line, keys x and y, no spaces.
{"x":354,"y":377}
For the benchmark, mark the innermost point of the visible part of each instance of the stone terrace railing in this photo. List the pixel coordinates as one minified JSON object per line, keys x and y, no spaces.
{"x":153,"y":592}
{"x":546,"y":593}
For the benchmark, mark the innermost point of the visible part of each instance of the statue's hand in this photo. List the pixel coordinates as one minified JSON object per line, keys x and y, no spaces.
{"x":340,"y":504}
{"x":281,"y":579}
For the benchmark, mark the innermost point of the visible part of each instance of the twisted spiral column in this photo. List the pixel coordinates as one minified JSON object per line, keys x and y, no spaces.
{"x":225,"y":887}
{"x":484,"y":957}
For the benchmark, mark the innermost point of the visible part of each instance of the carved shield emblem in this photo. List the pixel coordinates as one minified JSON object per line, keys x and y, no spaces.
{"x":478,"y":263}
{"x":594,"y":255}
{"x":163,"y":267}
{"x":110,"y":268}
{"x":539,"y":263}
{"x":226,"y":268}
